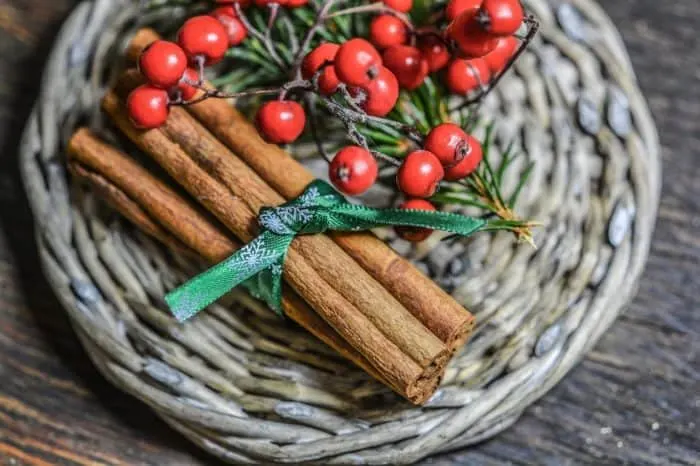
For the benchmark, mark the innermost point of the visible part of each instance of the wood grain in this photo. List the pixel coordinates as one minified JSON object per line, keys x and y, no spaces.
{"x":634,"y":400}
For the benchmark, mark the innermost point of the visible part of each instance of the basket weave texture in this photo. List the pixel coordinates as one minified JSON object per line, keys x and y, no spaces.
{"x":251,"y":388}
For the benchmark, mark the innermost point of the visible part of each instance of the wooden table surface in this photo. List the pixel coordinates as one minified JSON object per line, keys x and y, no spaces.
{"x":634,"y":400}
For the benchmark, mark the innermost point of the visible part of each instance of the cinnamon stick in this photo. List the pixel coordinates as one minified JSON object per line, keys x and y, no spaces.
{"x":431,"y":305}
{"x":155,"y":208}
{"x":119,"y":201}
{"x":142,"y":197}
{"x":396,"y":366}
{"x":337,"y":268}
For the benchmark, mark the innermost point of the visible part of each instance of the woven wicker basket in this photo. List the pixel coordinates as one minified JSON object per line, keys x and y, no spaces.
{"x":249,"y":387}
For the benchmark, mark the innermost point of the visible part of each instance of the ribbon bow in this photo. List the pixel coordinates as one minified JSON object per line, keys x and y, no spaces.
{"x":258,"y":265}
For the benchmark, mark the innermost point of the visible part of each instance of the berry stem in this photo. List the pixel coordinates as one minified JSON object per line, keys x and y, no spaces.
{"x":533,"y":26}
{"x":321,"y":17}
{"x":387,"y":158}
{"x":216,"y":94}
{"x":274,"y":9}
{"x":377,"y":7}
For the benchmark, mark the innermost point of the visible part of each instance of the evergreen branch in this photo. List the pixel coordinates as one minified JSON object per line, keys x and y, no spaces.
{"x":482,"y":189}
{"x":508,"y":157}
{"x":521,"y":184}
{"x":462,"y":198}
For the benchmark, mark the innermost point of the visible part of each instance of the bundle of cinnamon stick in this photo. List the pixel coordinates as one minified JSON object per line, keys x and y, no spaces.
{"x":350,"y":290}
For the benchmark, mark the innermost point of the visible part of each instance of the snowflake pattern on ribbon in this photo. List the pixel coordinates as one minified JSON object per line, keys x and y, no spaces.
{"x":254,"y":256}
{"x":310,"y":196}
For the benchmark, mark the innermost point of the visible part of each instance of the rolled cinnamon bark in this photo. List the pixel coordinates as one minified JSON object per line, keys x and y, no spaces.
{"x":331,"y":262}
{"x":412,"y":376}
{"x":143,"y":198}
{"x":118,"y":200}
{"x":431,"y":305}
{"x":159,"y":211}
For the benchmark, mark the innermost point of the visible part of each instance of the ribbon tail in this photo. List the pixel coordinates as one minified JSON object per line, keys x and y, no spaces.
{"x":347,"y":217}
{"x":203,"y":290}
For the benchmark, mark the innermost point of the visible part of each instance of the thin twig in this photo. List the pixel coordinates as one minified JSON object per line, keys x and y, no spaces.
{"x":534,"y":26}
{"x":313,"y":119}
{"x":269,"y":46}
{"x":377,"y":7}
{"x":298,"y":84}
{"x":216,"y":94}
{"x":321,"y":17}
{"x":274,"y":9}
{"x":387,"y":158}
{"x":359,"y":116}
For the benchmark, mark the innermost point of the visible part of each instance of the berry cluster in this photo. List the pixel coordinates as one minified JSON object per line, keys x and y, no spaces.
{"x":449,"y":154}
{"x":174,"y":69}
{"x":483,"y":33}
{"x":476,"y":45}
{"x":362,"y":81}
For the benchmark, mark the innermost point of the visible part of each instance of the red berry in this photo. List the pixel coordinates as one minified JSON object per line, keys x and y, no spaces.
{"x":315,"y":59}
{"x":464,"y":76}
{"x":353,"y":170}
{"x":448,"y":142}
{"x":381,"y":94}
{"x":434,"y":51}
{"x":472,"y":157}
{"x":203,"y":36}
{"x":163,"y":63}
{"x":235,"y":29}
{"x":387,"y":30}
{"x":415,"y":234}
{"x":187,"y":90}
{"x":457,"y":7}
{"x":498,"y":58}
{"x":402,"y":6}
{"x":357,"y":62}
{"x":408,"y":64}
{"x":328,"y":82}
{"x":501,"y":17}
{"x":296,"y":3}
{"x":420,"y":174}
{"x":471,"y":38}
{"x":148,"y":107}
{"x":281,"y":121}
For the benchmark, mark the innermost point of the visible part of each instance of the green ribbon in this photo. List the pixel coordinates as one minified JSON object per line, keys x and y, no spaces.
{"x":258,"y":265}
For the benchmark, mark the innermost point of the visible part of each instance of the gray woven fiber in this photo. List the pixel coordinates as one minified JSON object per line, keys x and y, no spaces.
{"x":251,"y":388}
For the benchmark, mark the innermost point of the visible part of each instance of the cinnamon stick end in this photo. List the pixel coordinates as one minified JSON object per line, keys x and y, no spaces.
{"x":141,"y":40}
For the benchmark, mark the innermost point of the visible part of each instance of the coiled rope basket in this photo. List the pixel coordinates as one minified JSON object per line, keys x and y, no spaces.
{"x":252,"y":388}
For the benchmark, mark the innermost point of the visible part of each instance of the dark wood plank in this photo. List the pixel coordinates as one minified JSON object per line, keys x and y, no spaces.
{"x":634,"y":400}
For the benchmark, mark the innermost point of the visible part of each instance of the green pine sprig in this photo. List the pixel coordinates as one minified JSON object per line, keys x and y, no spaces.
{"x":484,"y":190}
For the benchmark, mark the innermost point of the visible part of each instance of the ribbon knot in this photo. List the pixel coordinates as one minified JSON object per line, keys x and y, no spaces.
{"x":258,"y":266}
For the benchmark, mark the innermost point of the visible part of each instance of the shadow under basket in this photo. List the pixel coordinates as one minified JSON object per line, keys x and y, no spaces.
{"x":250,"y":387}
